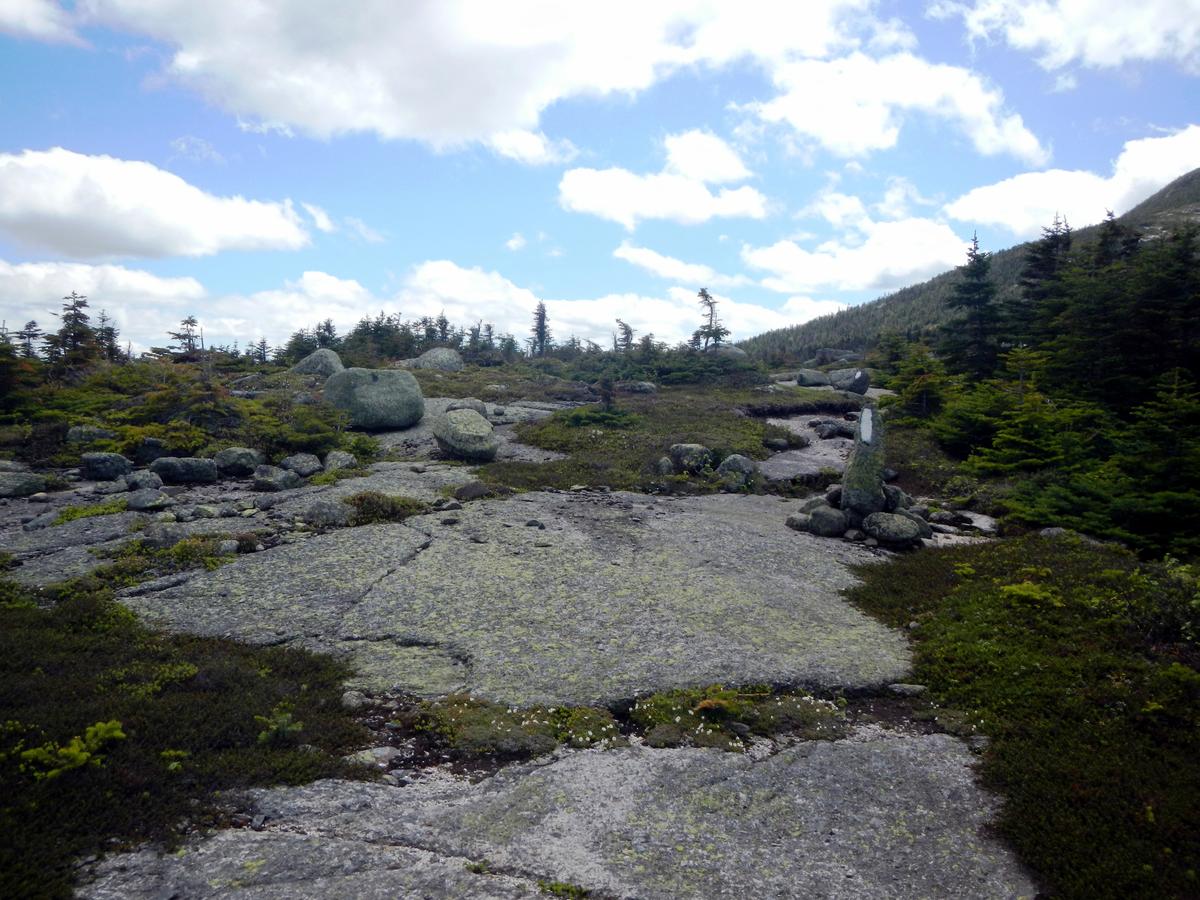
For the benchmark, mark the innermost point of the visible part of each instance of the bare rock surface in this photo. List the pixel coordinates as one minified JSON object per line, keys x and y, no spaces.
{"x":881,"y":814}
{"x":617,"y":594}
{"x":819,"y":456}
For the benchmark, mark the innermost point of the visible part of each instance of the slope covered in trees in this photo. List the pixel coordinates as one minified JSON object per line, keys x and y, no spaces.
{"x":917,"y":311}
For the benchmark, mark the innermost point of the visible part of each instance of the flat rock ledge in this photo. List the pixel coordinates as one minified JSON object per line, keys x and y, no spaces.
{"x":881,"y":814}
{"x":557,"y":598}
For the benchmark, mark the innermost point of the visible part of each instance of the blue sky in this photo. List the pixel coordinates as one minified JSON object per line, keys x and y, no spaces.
{"x":265,"y":165}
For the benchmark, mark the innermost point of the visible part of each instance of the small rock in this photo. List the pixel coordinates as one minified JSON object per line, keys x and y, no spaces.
{"x":327,"y":514}
{"x":227,"y":547}
{"x":273,"y":478}
{"x":303,"y":464}
{"x":690,"y":458}
{"x":44,"y":520}
{"x":104,"y":466}
{"x":86,"y":434}
{"x":354,"y":700}
{"x":468,"y":403}
{"x":534,"y":523}
{"x":148,"y":500}
{"x":143,"y":480}
{"x":450,"y":520}
{"x":891,"y":529}
{"x":340,"y":459}
{"x":39,"y":497}
{"x":162,"y":535}
{"x":238,"y":462}
{"x":118,"y":486}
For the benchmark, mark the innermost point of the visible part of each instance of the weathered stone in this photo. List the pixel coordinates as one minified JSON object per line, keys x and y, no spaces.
{"x":185,"y":470}
{"x":238,"y":462}
{"x":444,"y":359}
{"x":162,"y":535}
{"x":862,"y":484}
{"x":891,"y":529}
{"x":465,"y":434}
{"x":811,"y":378}
{"x":828,"y":429}
{"x":340,"y":459}
{"x":273,"y":478}
{"x":87,"y":434}
{"x":303,"y":464}
{"x":824,"y":521}
{"x":323,"y":362}
{"x":690,"y":458}
{"x":376,"y":398}
{"x":896,"y":498}
{"x":856,"y":381}
{"x":664,"y":466}
{"x":143,"y":480}
{"x":327,"y":514}
{"x":925,"y":529}
{"x":735,"y":471}
{"x":728,"y":351}
{"x":20,"y":484}
{"x":833,"y":496}
{"x":116,"y":486}
{"x":468,"y":403}
{"x":104,"y":466}
{"x":149,"y":450}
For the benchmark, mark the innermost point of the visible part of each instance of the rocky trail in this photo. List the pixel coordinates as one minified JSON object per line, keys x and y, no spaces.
{"x":552,"y":598}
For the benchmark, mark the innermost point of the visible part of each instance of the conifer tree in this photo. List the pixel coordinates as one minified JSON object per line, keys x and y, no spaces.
{"x":970,"y":343}
{"x":540,"y":332}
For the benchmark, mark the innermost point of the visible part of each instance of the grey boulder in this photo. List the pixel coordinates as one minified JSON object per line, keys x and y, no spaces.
{"x":690,"y":458}
{"x":824,"y":521}
{"x":238,"y":461}
{"x":327,"y":514}
{"x":20,"y":484}
{"x":442,"y":358}
{"x":811,"y":378}
{"x":143,"y":480}
{"x":376,"y":398}
{"x":856,"y":381}
{"x":340,"y":459}
{"x":273,"y":478}
{"x":148,"y":500}
{"x":735,"y":471}
{"x":303,"y":464}
{"x":728,"y":351}
{"x":465,"y":434}
{"x":468,"y":403}
{"x":185,"y":470}
{"x":323,"y":362}
{"x":86,"y":434}
{"x":104,"y":466}
{"x":891,"y":529}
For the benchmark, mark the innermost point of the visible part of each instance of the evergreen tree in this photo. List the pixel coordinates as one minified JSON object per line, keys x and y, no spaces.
{"x":1038,"y":282}
{"x":186,"y":338}
{"x":624,"y":339}
{"x":970,"y":344}
{"x":712,"y":331}
{"x":326,"y":334}
{"x":27,"y":339}
{"x":74,"y":344}
{"x":107,"y":335}
{"x":540,"y":331}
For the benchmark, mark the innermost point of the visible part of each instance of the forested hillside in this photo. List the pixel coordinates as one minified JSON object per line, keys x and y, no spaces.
{"x":915,"y":312}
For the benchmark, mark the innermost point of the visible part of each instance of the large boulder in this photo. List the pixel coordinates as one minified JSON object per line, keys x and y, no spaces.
{"x":821,"y":520}
{"x":323,"y":362}
{"x":303,"y":464}
{"x":340,"y":459}
{"x":238,"y":461}
{"x":104,"y":466}
{"x":143,"y":481}
{"x":811,"y":378}
{"x":273,"y":478}
{"x":465,"y":434}
{"x":690,"y":459}
{"x":735,"y":471}
{"x":856,"y":381}
{"x":862,"y":484}
{"x":148,"y":500}
{"x":86,"y":434}
{"x":443,"y":359}
{"x":185,"y":470}
{"x":149,"y":450}
{"x":21,"y":484}
{"x":923,"y":528}
{"x":376,"y":398}
{"x":326,"y":513}
{"x":728,"y":351}
{"x":892,"y":529}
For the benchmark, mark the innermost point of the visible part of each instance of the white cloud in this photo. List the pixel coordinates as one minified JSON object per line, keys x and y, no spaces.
{"x":196,"y":149}
{"x":531,"y":147}
{"x":702,"y":156}
{"x":883,"y":256}
{"x":320,"y":218}
{"x":42,"y":20}
{"x":1094,"y":33}
{"x":678,"y":193}
{"x":804,"y":309}
{"x":98,"y":206}
{"x":899,"y":198}
{"x":516,"y":242}
{"x":454,"y":71}
{"x":1025,"y":203}
{"x":677,"y":270}
{"x":363,"y":231}
{"x":857,"y":104}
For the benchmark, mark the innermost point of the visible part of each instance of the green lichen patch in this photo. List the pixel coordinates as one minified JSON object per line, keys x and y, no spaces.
{"x":1081,"y":665}
{"x":726,"y":718}
{"x":107,"y":508}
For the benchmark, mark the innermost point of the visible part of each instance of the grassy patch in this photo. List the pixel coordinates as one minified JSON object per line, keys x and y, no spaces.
{"x":563,"y":889}
{"x":1081,"y":664}
{"x":106,"y":508}
{"x":621,"y":453}
{"x":338,"y":475}
{"x":372,"y":506}
{"x":501,"y":384}
{"x":112,"y":732}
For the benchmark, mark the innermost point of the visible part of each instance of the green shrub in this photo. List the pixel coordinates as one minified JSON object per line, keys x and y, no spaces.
{"x":372,"y":506}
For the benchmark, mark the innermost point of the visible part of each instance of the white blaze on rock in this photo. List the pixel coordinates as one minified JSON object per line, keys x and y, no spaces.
{"x":864,"y":430}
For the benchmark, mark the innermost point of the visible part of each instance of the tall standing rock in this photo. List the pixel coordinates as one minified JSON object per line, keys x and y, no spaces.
{"x":376,"y":398}
{"x":862,"y":485}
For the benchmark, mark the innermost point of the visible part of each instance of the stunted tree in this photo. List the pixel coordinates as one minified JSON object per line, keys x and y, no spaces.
{"x":107,"y":335}
{"x":624,"y":339}
{"x":540,"y":332}
{"x":970,"y":344}
{"x":27,"y":339}
{"x":712,"y":331}
{"x":187,"y":337}
{"x":74,"y":344}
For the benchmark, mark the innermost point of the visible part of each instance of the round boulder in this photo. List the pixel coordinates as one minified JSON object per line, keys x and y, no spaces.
{"x":185,"y":470}
{"x":690,"y":458}
{"x":892,"y":529}
{"x":856,"y":381}
{"x":811,"y":378}
{"x":303,"y":464}
{"x":143,"y":481}
{"x":736,"y":471}
{"x":728,"y":351}
{"x":323,"y":362}
{"x":821,"y":520}
{"x":340,"y":459}
{"x":273,"y":478}
{"x":104,"y":466}
{"x":327,"y":514}
{"x":238,"y":461}
{"x":148,"y":500}
{"x":443,"y":359}
{"x":376,"y":398}
{"x":465,"y":434}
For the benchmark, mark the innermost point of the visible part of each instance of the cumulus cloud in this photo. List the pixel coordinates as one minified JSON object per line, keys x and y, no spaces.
{"x":531,"y":147}
{"x":680,"y":192}
{"x":1093,"y":33}
{"x":857,"y":104}
{"x":516,"y":242}
{"x":676,"y":269}
{"x":879,"y":256}
{"x":42,"y":20}
{"x":97,"y":206}
{"x":1025,"y":203}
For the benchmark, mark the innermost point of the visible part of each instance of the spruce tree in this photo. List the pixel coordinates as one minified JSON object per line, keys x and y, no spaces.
{"x":540,"y":331}
{"x":970,"y":344}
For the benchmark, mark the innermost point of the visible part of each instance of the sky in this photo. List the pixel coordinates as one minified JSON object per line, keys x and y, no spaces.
{"x":267,"y":164}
